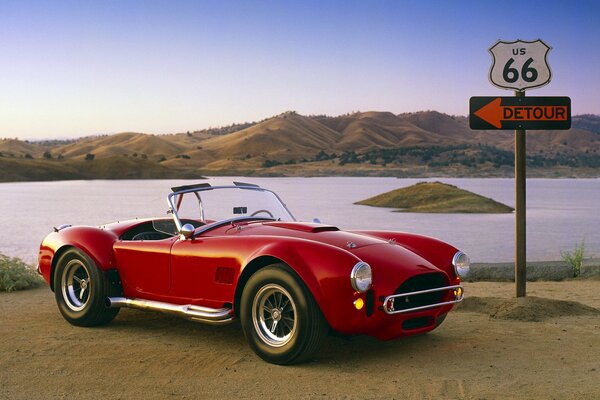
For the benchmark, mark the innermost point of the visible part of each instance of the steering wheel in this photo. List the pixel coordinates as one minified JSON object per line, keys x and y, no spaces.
{"x":262,"y":211}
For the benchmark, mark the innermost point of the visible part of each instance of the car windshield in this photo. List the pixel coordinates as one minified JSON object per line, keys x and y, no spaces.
{"x":211,"y":204}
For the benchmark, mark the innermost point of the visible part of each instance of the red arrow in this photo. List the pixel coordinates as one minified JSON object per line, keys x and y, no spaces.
{"x":494,"y":113}
{"x":491,"y":113}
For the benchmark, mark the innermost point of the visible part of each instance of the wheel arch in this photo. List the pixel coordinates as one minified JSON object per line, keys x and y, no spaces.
{"x":247,"y":272}
{"x":323,"y":269}
{"x":95,"y":243}
{"x":57,"y":255}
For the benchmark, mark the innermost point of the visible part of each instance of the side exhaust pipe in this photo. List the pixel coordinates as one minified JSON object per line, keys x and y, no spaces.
{"x":212,"y":316}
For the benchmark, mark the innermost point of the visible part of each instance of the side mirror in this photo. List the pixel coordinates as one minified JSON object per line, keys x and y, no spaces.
{"x":187,"y":231}
{"x":316,"y":220}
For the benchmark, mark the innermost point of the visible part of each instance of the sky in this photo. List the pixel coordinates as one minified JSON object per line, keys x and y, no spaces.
{"x":78,"y":68}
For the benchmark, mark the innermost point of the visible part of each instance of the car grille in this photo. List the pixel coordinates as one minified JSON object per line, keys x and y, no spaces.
{"x":417,"y":283}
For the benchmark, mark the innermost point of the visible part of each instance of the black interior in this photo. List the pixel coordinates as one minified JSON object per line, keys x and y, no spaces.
{"x":148,"y":231}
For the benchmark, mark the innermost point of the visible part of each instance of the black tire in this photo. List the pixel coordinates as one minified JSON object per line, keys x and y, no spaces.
{"x":80,"y":289}
{"x":299,"y":324}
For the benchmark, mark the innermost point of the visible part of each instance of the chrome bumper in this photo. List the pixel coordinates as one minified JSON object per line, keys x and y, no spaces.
{"x":388,"y":302}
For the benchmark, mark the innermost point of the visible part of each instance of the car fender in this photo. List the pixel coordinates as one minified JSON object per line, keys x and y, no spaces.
{"x":97,"y":243}
{"x":324,"y":269}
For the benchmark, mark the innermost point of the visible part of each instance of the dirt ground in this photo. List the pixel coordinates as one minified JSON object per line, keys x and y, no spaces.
{"x":143,"y":355}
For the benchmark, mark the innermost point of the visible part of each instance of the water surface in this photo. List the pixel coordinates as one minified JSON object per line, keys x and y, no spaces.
{"x":560,"y":212}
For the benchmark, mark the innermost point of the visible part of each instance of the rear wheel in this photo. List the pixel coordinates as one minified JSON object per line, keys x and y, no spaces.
{"x":80,"y":289}
{"x":281,"y":320}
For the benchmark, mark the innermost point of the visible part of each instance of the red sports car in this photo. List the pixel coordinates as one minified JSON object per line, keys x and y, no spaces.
{"x":236,"y":252}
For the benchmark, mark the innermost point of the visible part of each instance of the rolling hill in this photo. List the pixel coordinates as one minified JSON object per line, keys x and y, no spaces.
{"x":362,"y":143}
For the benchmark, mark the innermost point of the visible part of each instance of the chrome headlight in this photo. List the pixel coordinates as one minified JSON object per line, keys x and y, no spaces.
{"x":461,"y":263}
{"x":360,"y":277}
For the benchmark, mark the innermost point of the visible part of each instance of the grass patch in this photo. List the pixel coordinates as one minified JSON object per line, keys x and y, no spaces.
{"x":436,"y":197}
{"x":17,"y":275}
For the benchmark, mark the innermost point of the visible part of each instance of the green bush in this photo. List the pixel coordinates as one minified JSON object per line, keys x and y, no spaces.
{"x":574,"y":258}
{"x":16,"y":275}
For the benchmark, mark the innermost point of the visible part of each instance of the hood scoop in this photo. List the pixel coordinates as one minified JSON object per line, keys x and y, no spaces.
{"x":303,"y":226}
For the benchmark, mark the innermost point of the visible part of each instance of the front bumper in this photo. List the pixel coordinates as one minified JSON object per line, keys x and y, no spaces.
{"x":390,"y":302}
{"x":406,"y":311}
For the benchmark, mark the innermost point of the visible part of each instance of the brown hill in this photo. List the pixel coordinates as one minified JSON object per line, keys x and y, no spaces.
{"x":114,"y":167}
{"x":433,"y":121}
{"x":371,"y":130}
{"x":568,"y":142}
{"x":18,"y":148}
{"x":286,"y":136}
{"x":588,"y":122}
{"x":120,"y":144}
{"x":573,"y":141}
{"x":364,"y":142}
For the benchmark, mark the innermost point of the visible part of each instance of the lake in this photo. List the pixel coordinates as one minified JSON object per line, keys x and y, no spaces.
{"x":560,"y":212}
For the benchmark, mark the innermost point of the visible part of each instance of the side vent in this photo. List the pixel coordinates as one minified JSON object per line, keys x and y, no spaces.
{"x":224,"y":275}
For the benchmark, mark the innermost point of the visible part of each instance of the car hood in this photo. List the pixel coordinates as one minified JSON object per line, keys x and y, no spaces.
{"x":317,"y":232}
{"x":375,"y":251}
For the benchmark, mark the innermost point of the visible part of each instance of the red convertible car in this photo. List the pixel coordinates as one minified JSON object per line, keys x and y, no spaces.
{"x":236,"y":252}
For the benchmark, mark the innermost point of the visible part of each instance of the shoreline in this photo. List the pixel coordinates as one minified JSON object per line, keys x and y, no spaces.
{"x":203,"y":174}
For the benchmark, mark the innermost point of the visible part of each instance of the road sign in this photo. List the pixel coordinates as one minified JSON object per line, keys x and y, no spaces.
{"x":548,"y":113}
{"x":520,"y":65}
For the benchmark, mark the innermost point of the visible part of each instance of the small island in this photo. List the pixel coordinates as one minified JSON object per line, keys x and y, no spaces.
{"x":436,"y":197}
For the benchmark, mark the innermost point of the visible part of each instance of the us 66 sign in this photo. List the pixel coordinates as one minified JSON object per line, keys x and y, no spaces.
{"x":520,"y":65}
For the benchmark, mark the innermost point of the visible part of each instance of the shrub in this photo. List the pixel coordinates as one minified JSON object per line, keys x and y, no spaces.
{"x":270,"y":163}
{"x":16,"y":275}
{"x":575,"y":258}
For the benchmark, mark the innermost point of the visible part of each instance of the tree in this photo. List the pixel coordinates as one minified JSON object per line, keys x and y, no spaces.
{"x":47,"y":155}
{"x":89,"y":157}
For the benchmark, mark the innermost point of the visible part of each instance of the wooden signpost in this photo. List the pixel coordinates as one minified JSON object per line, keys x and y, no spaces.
{"x":518,"y":66}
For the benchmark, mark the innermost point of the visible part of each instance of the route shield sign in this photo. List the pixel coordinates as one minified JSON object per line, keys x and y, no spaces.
{"x":550,"y":113}
{"x":520,"y":65}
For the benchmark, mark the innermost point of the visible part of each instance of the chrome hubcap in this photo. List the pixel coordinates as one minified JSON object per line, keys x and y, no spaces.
{"x":75,"y":285}
{"x":274,"y":315}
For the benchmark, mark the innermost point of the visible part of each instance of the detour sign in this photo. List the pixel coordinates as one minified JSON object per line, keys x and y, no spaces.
{"x":520,"y":113}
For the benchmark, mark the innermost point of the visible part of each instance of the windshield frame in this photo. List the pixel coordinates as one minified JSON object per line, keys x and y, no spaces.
{"x":171,"y":199}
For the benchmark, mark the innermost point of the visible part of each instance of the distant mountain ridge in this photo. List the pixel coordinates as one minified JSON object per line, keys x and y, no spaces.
{"x":289,"y":142}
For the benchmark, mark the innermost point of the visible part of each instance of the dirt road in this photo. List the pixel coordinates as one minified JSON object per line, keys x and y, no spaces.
{"x":143,"y":355}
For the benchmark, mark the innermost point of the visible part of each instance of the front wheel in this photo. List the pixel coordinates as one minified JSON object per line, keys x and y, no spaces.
{"x":80,"y":289}
{"x":280,"y":318}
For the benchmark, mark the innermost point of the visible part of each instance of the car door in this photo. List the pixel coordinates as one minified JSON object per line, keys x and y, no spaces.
{"x":204,"y":270}
{"x":145,"y":267}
